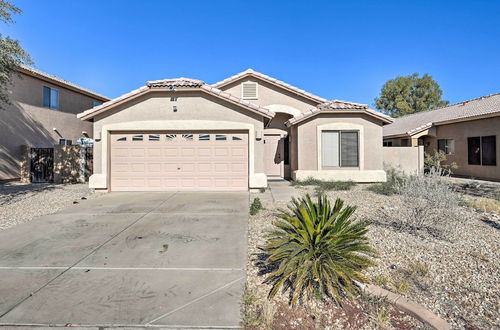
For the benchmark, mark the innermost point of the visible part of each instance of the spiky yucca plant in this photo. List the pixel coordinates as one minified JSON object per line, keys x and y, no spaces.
{"x":318,"y":248}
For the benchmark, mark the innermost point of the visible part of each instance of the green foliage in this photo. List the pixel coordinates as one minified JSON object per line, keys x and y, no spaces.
{"x":409,"y":94}
{"x":437,"y":161}
{"x":12,"y":55}
{"x":394,"y":178}
{"x":322,"y":186}
{"x":317,"y":249}
{"x":256,"y":206}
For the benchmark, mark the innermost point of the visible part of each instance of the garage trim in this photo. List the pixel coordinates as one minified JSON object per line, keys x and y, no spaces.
{"x":102,"y":181}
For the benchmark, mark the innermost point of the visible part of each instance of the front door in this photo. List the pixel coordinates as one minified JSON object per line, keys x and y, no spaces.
{"x":273,"y":155}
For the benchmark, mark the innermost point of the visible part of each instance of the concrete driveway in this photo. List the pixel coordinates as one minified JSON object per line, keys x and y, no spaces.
{"x":128,"y":259}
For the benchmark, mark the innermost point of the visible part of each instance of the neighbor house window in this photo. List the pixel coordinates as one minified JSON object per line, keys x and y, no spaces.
{"x":65,"y":142}
{"x":50,"y":98}
{"x":339,"y":149}
{"x":447,"y":146}
{"x":249,"y":90}
{"x":387,"y":143}
{"x":482,"y":150}
{"x":96,"y":104}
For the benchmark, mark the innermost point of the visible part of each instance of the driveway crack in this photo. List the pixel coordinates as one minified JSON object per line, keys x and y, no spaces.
{"x":195,"y":300}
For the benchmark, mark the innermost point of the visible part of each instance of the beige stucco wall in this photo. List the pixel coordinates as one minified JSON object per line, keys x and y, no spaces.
{"x":195,"y":111}
{"x":408,"y":159}
{"x":372,"y":141}
{"x":269,"y":94}
{"x":460,"y":132}
{"x":309,"y":150}
{"x":26,"y":122}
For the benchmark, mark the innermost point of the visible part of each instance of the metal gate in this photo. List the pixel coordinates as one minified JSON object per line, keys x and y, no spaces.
{"x":88,"y":162}
{"x":42,"y":165}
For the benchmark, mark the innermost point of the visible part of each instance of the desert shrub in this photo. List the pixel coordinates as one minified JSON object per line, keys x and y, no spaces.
{"x":256,"y":206}
{"x":437,"y":162}
{"x":394,"y":178}
{"x":429,"y":204}
{"x":317,"y":250}
{"x":322,"y":186}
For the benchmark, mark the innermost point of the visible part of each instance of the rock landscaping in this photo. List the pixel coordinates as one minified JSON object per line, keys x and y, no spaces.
{"x":454,"y":273}
{"x":23,"y":202}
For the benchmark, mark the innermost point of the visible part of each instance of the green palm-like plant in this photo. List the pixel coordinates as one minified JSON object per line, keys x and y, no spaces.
{"x":316,"y":249}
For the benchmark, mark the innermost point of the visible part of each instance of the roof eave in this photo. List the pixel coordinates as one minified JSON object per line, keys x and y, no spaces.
{"x":294,"y":90}
{"x":292,"y":122}
{"x":49,"y":79}
{"x":91,"y":113}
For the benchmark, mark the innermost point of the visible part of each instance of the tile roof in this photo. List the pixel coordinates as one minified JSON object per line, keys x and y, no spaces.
{"x":58,"y":81}
{"x":271,"y":80}
{"x":175,"y":82}
{"x":467,"y":110}
{"x":184,"y":84}
{"x":338,"y":106}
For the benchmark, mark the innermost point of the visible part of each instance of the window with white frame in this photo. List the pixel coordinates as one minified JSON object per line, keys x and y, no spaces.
{"x":249,"y":90}
{"x":339,"y":149}
{"x":447,"y":146}
{"x":50,"y":98}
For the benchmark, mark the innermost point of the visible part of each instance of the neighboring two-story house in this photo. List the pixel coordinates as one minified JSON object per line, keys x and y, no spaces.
{"x":184,"y":134}
{"x":42,"y":113}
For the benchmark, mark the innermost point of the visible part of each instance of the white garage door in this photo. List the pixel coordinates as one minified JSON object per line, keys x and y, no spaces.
{"x":153,"y":161}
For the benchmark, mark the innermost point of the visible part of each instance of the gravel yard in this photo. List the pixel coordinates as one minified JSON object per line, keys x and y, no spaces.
{"x":457,"y":279}
{"x":21,"y":202}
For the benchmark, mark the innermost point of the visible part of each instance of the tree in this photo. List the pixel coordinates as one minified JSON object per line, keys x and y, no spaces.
{"x":409,"y":94}
{"x":12,"y":55}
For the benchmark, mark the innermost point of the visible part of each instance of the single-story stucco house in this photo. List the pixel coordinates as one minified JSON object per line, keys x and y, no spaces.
{"x":184,"y":134}
{"x":466,"y":132}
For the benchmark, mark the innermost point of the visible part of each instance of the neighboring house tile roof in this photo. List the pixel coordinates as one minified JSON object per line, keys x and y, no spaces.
{"x":183,"y":84}
{"x":338,"y":106}
{"x":468,"y":110}
{"x":61,"y":82}
{"x":273,"y":81}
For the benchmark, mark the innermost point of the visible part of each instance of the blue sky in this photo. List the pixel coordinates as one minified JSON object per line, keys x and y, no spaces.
{"x":335,"y":49}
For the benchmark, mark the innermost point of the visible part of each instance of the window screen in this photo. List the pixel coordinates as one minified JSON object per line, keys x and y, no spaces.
{"x":349,"y":149}
{"x":488,"y":150}
{"x":474,"y":150}
{"x":46,"y":97}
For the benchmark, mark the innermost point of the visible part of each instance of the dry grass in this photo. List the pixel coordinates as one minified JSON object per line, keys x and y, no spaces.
{"x":257,"y":313}
{"x":380,"y":313}
{"x":485,"y":205}
{"x":401,"y":285}
{"x":418,"y":269}
{"x":380,"y":280}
